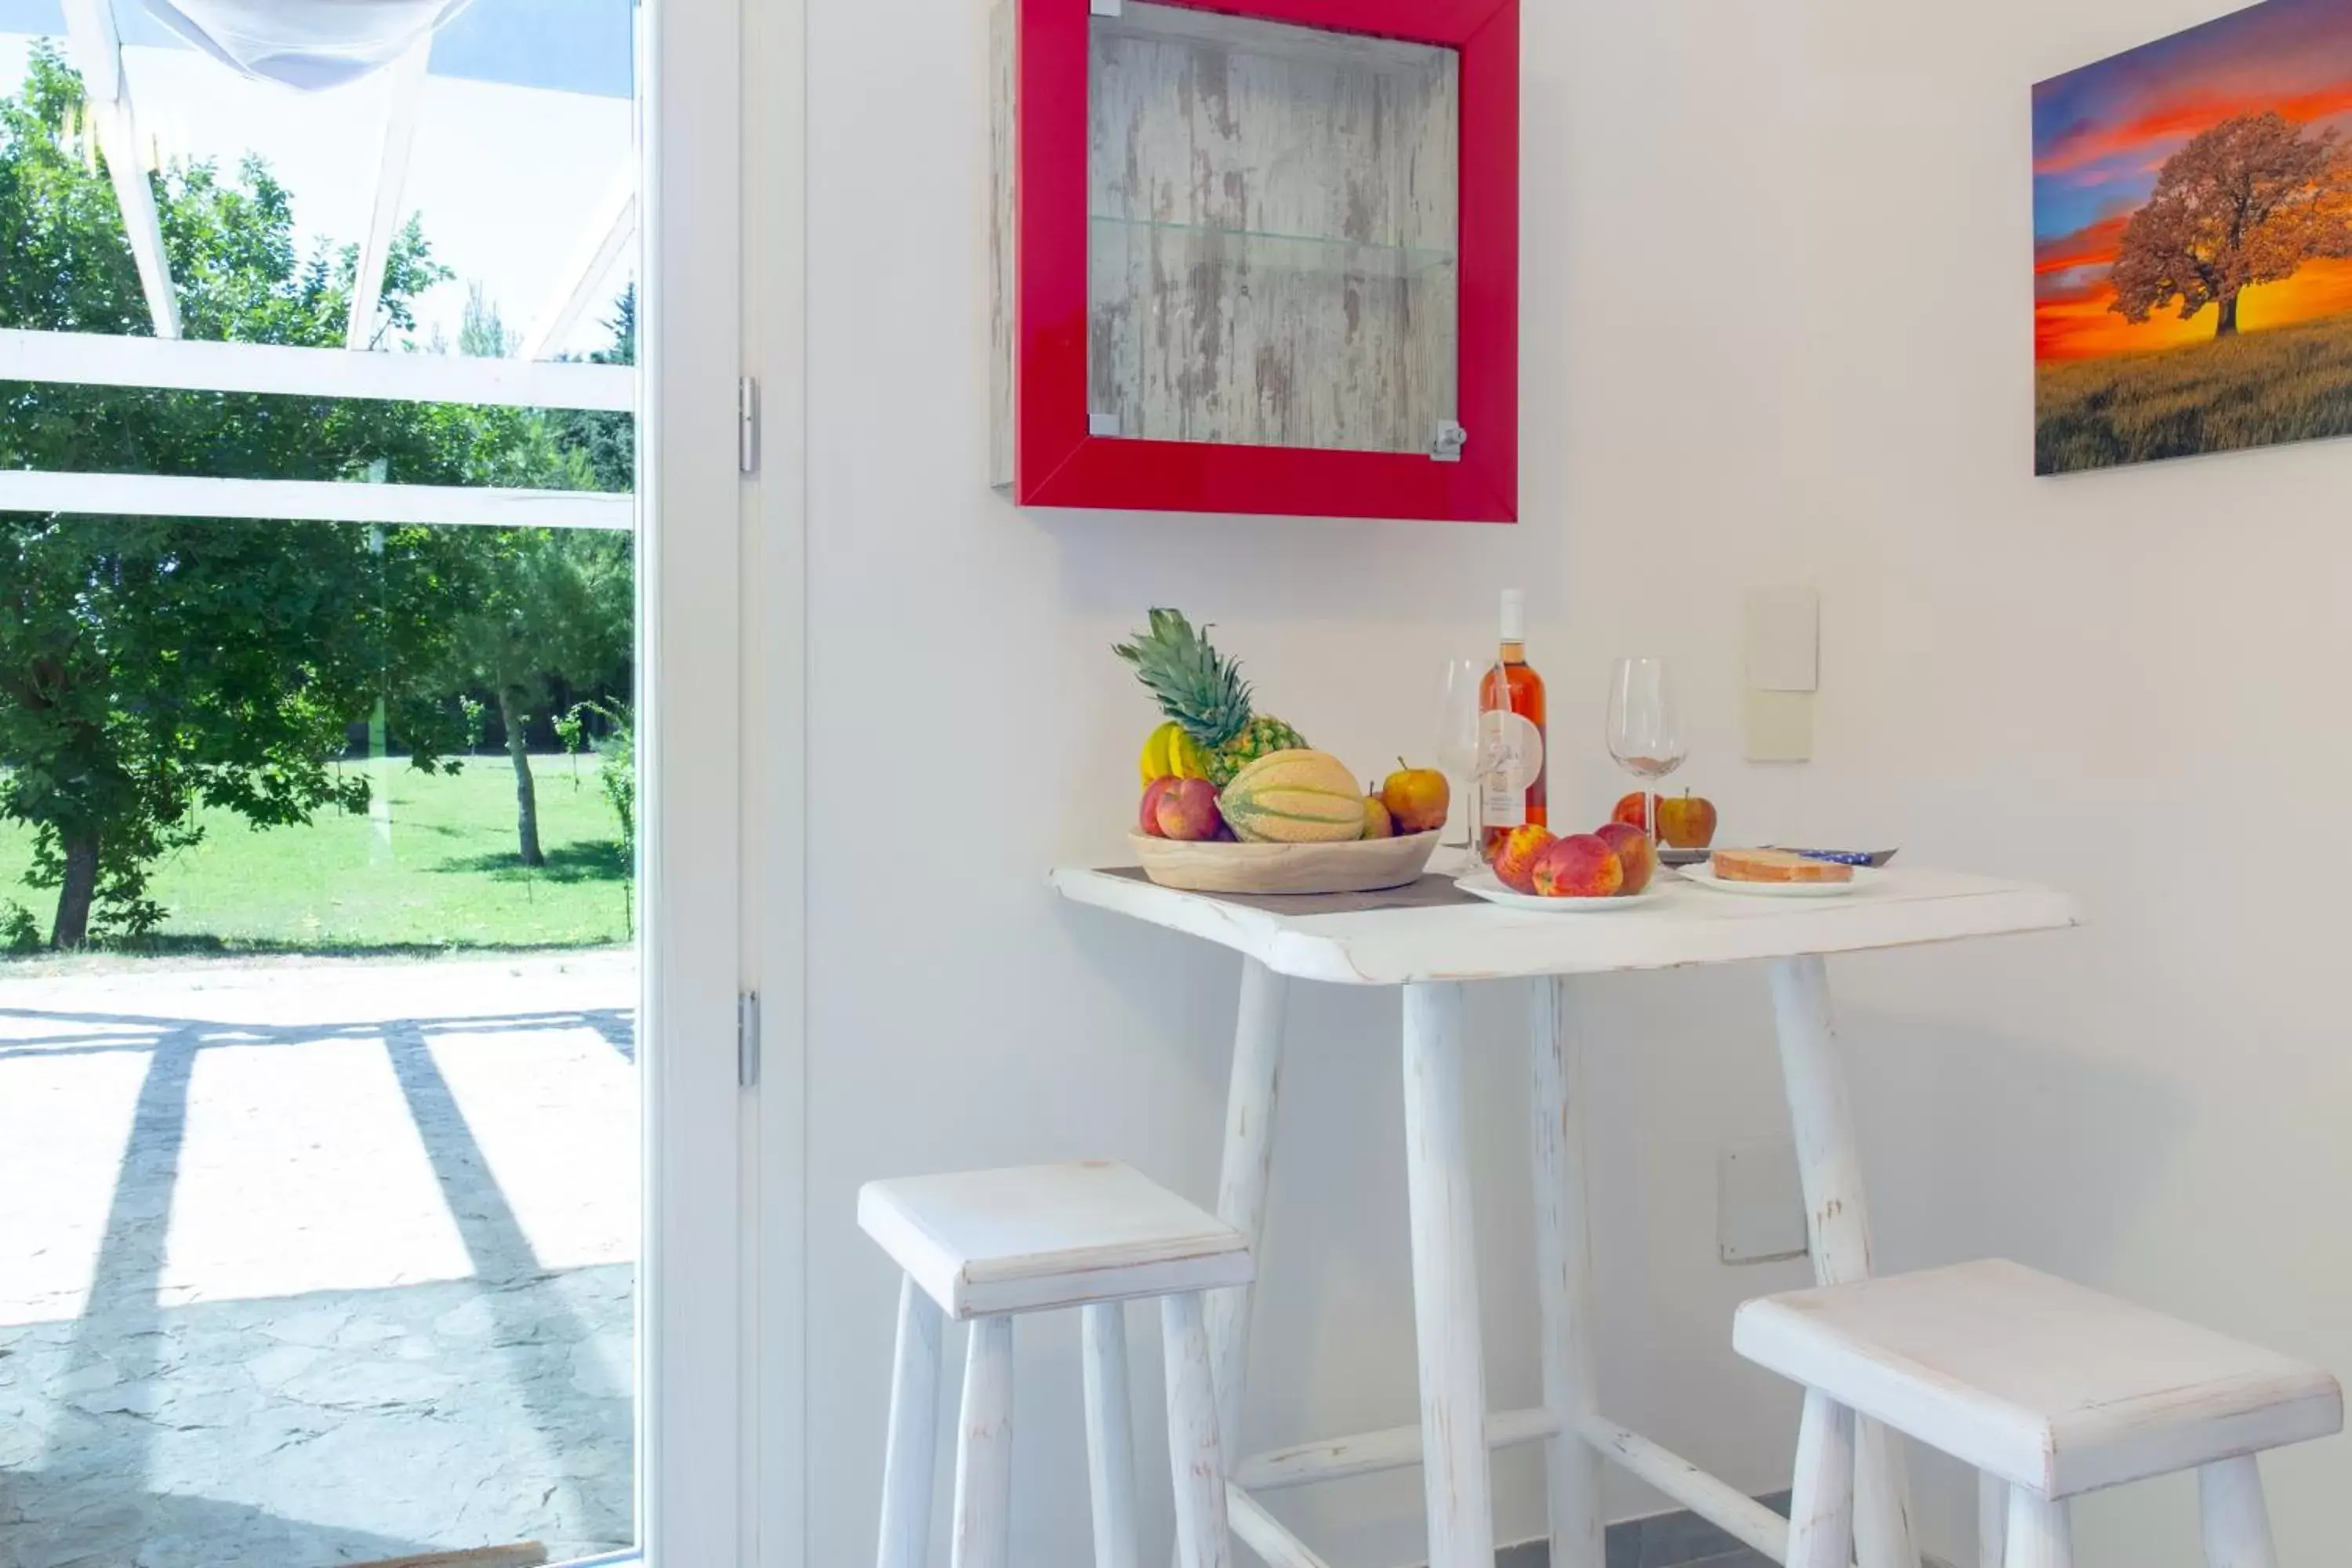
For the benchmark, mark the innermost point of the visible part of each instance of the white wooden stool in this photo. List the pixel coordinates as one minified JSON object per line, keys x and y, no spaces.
{"x":984,"y":1245}
{"x":2047,"y":1388}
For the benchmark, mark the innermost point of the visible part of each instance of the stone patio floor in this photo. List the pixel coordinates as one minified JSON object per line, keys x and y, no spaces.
{"x":310,"y":1262}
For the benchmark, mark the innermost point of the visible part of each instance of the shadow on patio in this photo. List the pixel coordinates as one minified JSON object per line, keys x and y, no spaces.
{"x":316,"y":1264}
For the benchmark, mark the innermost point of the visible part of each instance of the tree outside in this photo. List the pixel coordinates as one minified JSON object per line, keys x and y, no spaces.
{"x":154,"y":671}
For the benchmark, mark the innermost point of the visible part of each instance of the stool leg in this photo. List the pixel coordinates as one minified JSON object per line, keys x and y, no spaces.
{"x":1195,"y":1459}
{"x":1110,"y":1434}
{"x":1820,"y":1504}
{"x":912,"y":1453}
{"x":984,"y":1495}
{"x":1992,"y":1519}
{"x":2237,"y":1525}
{"x":2041,"y":1532}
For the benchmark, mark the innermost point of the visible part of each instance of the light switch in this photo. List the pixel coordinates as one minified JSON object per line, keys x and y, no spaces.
{"x":1784,"y":639}
{"x":1779,"y":726}
{"x":1759,"y":1200}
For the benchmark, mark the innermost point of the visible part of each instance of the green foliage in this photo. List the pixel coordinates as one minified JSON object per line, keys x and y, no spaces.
{"x":617,"y":777}
{"x":19,"y":931}
{"x":442,"y":876}
{"x":155,"y":673}
{"x":2284,"y":384}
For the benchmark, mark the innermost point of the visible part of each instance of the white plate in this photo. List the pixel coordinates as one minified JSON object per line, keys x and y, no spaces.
{"x":1485,"y":884}
{"x":1705,"y":878}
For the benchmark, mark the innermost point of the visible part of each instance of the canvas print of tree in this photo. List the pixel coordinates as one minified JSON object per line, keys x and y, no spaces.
{"x":2192,"y":242}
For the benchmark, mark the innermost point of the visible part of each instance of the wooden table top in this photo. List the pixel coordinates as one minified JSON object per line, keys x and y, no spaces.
{"x":1689,"y":924}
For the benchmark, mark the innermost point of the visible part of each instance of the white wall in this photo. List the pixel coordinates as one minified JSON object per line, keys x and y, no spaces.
{"x":1776,"y":329}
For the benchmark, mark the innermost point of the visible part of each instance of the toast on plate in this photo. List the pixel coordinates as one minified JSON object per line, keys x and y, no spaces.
{"x":1776,"y":866}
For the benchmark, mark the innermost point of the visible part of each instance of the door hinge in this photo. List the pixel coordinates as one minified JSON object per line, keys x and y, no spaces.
{"x":746,"y":1039}
{"x":746,"y":424}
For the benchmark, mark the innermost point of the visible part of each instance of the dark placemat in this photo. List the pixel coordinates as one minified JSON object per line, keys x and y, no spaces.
{"x":1429,"y":891}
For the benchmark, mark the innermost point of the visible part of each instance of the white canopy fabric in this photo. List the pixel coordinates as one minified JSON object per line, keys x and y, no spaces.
{"x":310,"y":45}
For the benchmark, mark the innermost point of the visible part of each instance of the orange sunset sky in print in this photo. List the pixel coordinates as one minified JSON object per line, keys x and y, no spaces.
{"x":2101,"y":134}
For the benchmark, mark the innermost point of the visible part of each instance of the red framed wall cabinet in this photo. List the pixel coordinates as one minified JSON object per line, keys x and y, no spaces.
{"x":1259,"y":257}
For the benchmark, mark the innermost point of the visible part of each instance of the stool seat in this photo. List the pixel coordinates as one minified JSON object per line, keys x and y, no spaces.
{"x":2051,"y":1387}
{"x":1032,"y":1237}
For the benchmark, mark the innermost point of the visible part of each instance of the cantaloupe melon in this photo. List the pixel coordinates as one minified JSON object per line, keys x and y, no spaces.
{"x":1295,"y":797}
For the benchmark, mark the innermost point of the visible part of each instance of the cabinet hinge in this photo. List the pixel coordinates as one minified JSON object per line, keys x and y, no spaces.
{"x":746,"y":424}
{"x":1451,"y":439}
{"x":746,"y":1039}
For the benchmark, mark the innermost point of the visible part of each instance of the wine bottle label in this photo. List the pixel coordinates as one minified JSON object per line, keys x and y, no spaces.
{"x":1514,"y":758}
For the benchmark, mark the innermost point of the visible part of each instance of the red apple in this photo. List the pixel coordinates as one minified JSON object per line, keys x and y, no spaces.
{"x":1581,"y":866}
{"x":1686,"y":821}
{"x":1633,"y":809}
{"x":1188,"y":810}
{"x":1515,"y":858}
{"x":1146,"y":815}
{"x":1635,"y":852}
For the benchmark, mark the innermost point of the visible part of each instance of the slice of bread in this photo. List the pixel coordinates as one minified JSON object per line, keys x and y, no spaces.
{"x":1776,"y":866}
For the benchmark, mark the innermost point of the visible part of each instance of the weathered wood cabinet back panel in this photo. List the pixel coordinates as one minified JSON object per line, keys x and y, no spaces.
{"x":1272,"y":235}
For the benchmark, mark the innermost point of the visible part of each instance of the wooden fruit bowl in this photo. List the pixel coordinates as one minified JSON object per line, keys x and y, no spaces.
{"x":1353,"y":867}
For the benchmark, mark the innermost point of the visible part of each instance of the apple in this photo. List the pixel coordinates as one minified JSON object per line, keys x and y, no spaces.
{"x":1581,"y":866}
{"x":1635,"y":853}
{"x":1146,"y":815}
{"x":1633,"y":809}
{"x":1515,"y":858}
{"x":1686,"y":821}
{"x":1378,"y":824}
{"x":1416,"y":798}
{"x":1188,"y":810}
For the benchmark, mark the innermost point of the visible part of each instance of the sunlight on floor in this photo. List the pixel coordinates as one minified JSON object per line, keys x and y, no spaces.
{"x":557,"y":1124}
{"x":303,"y":1169}
{"x":65,"y":1121}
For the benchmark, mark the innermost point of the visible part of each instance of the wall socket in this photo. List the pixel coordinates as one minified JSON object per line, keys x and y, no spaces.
{"x":1759,"y":1203}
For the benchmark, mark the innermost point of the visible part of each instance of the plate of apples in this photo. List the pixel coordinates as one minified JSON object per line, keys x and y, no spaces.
{"x":1614,"y":867}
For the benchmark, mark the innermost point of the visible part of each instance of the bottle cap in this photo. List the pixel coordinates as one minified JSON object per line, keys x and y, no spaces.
{"x":1515,"y":615}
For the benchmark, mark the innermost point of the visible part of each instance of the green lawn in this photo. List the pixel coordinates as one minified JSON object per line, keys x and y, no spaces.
{"x":2287,"y":384}
{"x":444,"y":875}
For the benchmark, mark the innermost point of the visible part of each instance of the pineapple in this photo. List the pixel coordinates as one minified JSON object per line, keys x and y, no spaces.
{"x":1203,"y":693}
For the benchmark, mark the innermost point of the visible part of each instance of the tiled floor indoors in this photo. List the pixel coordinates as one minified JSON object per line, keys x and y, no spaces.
{"x":325,"y":1262}
{"x":1664,"y":1540}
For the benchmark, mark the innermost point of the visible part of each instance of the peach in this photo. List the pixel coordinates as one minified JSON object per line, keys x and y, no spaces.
{"x":1635,"y":852}
{"x":1188,"y":809}
{"x":1146,"y":815}
{"x":1581,"y":866}
{"x":1515,"y":858}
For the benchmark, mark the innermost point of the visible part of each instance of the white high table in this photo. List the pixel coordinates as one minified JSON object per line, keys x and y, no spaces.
{"x":1431,"y":953}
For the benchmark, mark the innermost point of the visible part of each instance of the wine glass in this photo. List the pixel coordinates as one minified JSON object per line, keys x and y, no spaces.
{"x":1466,"y":748}
{"x":1645,"y":728}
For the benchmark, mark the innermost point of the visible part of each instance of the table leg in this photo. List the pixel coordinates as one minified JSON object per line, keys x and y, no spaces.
{"x":1837,"y":1222}
{"x":1454,"y":1475}
{"x":1564,"y":1274}
{"x":1241,"y":1186}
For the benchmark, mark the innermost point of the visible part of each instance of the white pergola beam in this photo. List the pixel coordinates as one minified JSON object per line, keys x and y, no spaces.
{"x":99,"y":359}
{"x":310,"y":500}
{"x":98,"y":54}
{"x":613,"y":226}
{"x":404,"y":88}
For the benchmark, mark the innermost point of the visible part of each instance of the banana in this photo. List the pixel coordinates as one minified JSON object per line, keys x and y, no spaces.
{"x":1186,"y":760}
{"x":1154,"y":763}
